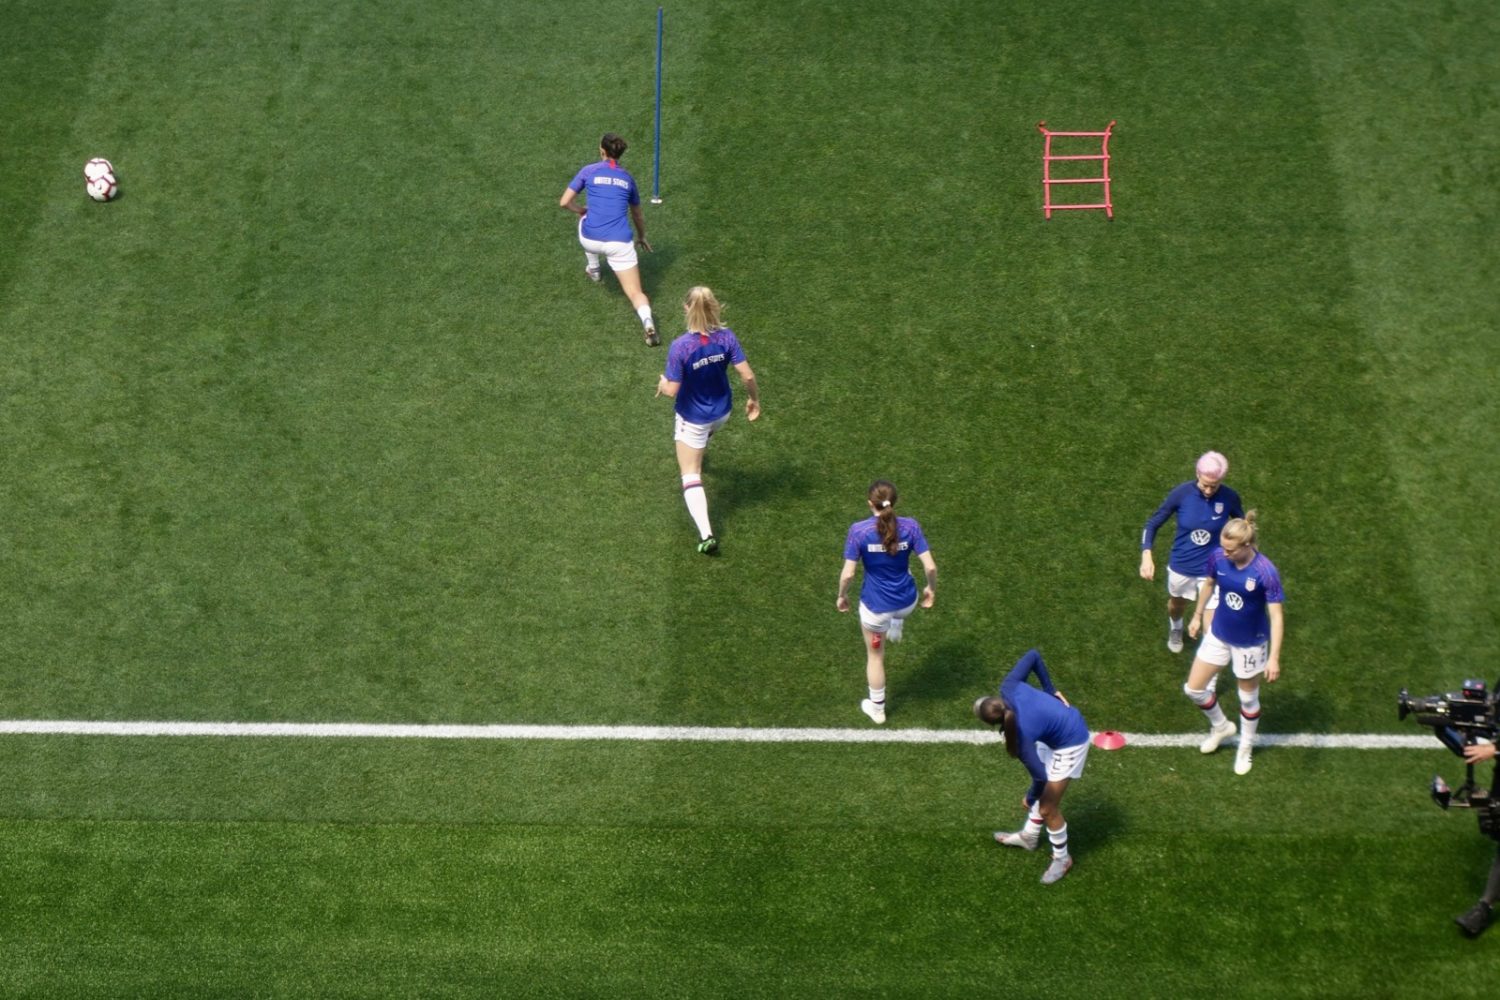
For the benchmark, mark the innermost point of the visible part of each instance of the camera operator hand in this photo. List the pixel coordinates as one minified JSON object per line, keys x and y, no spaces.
{"x":1477,"y":752}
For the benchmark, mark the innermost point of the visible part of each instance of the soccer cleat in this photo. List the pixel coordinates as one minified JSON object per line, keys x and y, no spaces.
{"x":593,"y":273}
{"x":893,"y":630}
{"x":709,"y":545}
{"x":1218,"y":734}
{"x":1016,"y":839}
{"x":1242,"y":759}
{"x":1174,"y":640}
{"x":1057,"y":869}
{"x":874,"y":711}
{"x":651,"y":338}
{"x":1476,"y":920}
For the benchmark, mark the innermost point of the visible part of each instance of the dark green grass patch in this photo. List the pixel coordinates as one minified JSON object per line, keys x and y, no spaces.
{"x":275,"y":867}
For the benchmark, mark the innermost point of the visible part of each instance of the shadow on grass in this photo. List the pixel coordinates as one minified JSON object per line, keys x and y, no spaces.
{"x":1288,"y":710}
{"x":654,"y":267}
{"x":1092,"y":820}
{"x":735,"y":488}
{"x":951,"y":671}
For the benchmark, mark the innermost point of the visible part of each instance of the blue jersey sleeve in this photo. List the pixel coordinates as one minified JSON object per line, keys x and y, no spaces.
{"x":736,"y":352}
{"x":673,"y":371}
{"x":851,"y":541}
{"x":578,"y":180}
{"x":1033,"y":762}
{"x":918,"y":540}
{"x":1163,"y":514}
{"x":1232,"y":502}
{"x":1270,"y":578}
{"x":1025,"y":666}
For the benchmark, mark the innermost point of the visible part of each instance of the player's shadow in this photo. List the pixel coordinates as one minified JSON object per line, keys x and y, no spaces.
{"x":654,"y":266}
{"x":1294,"y":711}
{"x":1091,"y":821}
{"x":735,"y":488}
{"x":950,"y":671}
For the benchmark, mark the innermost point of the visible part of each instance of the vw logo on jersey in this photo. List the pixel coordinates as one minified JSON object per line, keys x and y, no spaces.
{"x":1250,"y":585}
{"x":1219,"y":507}
{"x":1235,"y":601}
{"x":1201,"y":537}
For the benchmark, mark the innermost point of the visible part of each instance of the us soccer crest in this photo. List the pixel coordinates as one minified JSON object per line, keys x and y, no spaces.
{"x":1250,"y":585}
{"x":1219,"y":507}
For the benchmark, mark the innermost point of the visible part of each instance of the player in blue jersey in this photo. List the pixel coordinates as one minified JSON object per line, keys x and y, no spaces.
{"x":1050,"y":737}
{"x":884,"y":543}
{"x":697,"y":377}
{"x":1245,"y":632}
{"x":611,"y":203}
{"x":1201,"y":507}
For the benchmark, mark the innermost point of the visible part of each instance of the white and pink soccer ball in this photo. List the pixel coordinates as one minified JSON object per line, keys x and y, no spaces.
{"x":99,"y":179}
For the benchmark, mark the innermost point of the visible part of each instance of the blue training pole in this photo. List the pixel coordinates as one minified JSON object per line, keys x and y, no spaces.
{"x":656,"y":163}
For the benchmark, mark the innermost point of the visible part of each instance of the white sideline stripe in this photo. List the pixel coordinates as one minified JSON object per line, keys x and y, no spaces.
{"x":697,"y":734}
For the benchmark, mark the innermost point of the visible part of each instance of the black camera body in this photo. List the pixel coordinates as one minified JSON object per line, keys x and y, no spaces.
{"x":1459,"y":719}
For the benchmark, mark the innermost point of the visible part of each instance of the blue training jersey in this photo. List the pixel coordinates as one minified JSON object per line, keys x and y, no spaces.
{"x":609,"y":192}
{"x":700,"y":364}
{"x":1241,"y":619}
{"x":888,"y":583}
{"x":1199,"y":521}
{"x":1040,"y":717}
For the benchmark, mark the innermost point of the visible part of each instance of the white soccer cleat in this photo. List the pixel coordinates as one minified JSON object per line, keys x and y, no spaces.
{"x":1174,"y":640}
{"x":1242,"y":759}
{"x":874,"y":711}
{"x":1015,"y":840}
{"x":1218,"y":734}
{"x":1057,"y":869}
{"x":593,"y":273}
{"x":893,"y":631}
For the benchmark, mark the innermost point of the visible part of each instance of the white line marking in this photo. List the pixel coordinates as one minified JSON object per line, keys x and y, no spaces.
{"x":698,"y":734}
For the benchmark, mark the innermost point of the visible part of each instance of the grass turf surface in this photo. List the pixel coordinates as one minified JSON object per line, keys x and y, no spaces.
{"x":319,"y":421}
{"x":340,"y":868}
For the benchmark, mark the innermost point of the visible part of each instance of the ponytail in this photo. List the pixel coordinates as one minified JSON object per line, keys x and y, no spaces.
{"x":883,"y":502}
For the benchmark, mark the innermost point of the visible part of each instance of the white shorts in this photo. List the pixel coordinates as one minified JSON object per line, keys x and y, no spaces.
{"x":1064,"y":763}
{"x":1248,"y":661}
{"x":621,"y":256}
{"x":1186,"y":587}
{"x":879,"y":622}
{"x":696,"y":435}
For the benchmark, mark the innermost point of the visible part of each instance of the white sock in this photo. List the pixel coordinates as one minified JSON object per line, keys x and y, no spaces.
{"x":592,"y":261}
{"x":697,"y":503}
{"x":877,"y":695}
{"x":1059,"y":838}
{"x":1174,"y":623}
{"x":644,"y":312}
{"x":1208,"y":703}
{"x":1249,"y":717}
{"x":1031,"y":830}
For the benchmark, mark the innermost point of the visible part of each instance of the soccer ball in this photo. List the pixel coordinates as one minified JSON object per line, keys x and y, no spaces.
{"x":99,"y":179}
{"x":102,"y":188}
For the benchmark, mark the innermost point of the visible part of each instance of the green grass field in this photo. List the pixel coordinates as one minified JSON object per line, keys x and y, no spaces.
{"x":320,"y":422}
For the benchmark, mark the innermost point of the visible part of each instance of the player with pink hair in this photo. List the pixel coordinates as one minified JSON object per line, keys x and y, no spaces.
{"x":1202,"y":506}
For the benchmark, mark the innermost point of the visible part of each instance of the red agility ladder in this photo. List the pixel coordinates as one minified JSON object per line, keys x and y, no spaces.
{"x":1048,"y":158}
